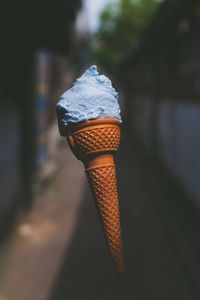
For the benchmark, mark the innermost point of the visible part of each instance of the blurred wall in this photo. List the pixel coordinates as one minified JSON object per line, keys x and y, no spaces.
{"x":163,"y":93}
{"x":175,"y":138}
{"x":30,"y":79}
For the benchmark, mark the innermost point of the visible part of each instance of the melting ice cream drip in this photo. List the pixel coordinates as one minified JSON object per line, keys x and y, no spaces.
{"x":91,"y":97}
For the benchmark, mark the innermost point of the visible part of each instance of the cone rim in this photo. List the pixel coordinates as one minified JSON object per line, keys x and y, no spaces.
{"x":104,"y":121}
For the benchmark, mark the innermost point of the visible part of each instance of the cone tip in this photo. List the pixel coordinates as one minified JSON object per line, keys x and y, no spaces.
{"x":120,"y":268}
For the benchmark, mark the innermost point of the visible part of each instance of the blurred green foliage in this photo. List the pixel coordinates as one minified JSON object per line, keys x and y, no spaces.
{"x":119,"y":30}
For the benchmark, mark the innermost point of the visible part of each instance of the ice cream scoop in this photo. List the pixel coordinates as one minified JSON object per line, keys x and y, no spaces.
{"x":91,"y":97}
{"x":89,"y":116}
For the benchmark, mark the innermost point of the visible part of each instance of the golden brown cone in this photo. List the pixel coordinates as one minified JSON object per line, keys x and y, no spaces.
{"x":94,"y":142}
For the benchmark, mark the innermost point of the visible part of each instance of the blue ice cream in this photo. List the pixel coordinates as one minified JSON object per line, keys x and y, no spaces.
{"x":91,"y":97}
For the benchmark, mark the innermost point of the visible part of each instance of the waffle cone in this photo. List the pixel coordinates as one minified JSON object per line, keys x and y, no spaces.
{"x":94,"y":143}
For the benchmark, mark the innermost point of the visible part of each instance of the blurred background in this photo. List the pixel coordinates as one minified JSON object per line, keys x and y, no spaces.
{"x":51,"y":242}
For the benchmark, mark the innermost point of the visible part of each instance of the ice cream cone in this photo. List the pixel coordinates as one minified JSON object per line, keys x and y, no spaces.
{"x":94,"y":143}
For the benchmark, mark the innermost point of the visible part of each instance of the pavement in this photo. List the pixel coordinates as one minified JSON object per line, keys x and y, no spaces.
{"x":31,"y":257}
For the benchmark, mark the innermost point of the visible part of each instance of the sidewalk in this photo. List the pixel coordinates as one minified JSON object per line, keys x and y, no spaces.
{"x":154,"y":269}
{"x":31,"y":257}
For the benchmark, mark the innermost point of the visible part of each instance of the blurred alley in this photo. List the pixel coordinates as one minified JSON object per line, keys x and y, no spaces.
{"x":52,"y":246}
{"x":59,"y":249}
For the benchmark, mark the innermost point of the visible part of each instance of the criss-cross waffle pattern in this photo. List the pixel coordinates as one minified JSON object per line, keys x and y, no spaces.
{"x":103,"y":182}
{"x":92,"y":140}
